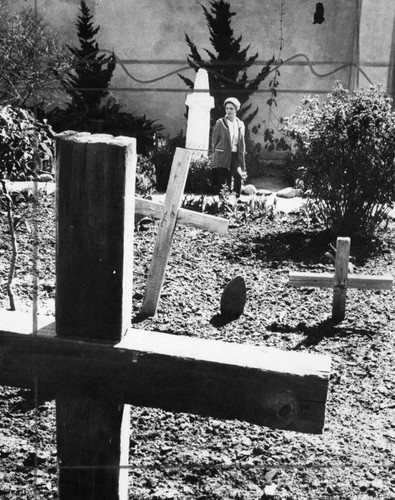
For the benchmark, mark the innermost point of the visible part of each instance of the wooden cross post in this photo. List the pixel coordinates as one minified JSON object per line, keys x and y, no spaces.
{"x":340,"y":280}
{"x":94,"y":271}
{"x":170,"y":214}
{"x":94,"y":363}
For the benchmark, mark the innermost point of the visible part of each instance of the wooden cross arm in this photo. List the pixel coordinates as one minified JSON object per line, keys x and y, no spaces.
{"x":187,"y":217}
{"x":285,"y":390}
{"x":325,"y":280}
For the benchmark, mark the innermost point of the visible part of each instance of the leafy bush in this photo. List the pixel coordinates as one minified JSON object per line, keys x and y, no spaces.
{"x":200,"y":176}
{"x":26,"y":144}
{"x":344,"y":156}
{"x":145,"y":176}
{"x":30,"y":58}
{"x":162,"y":157}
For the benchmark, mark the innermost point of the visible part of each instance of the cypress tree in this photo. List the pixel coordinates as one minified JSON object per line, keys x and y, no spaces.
{"x":228,"y":62}
{"x":93,"y":71}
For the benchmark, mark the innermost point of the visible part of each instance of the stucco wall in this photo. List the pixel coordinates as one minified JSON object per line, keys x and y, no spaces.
{"x":377,"y":43}
{"x":154,"y":30}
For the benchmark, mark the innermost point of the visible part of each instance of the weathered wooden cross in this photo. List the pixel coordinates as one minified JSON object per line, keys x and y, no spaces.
{"x":95,"y":364}
{"x":340,"y":280}
{"x":170,"y":213}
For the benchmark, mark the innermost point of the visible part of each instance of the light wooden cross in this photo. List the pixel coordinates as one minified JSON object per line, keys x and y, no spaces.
{"x":95,"y":364}
{"x":170,"y":214}
{"x":340,"y":280}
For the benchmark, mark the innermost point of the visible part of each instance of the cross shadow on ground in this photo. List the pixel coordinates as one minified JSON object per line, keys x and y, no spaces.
{"x":327,"y":328}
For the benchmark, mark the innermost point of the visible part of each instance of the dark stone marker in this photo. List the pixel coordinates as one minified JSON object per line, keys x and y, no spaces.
{"x":234,"y":298}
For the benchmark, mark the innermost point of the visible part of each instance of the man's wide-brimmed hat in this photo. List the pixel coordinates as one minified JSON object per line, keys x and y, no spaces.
{"x":234,"y":101}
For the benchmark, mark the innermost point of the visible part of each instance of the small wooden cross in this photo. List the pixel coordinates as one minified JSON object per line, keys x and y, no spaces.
{"x":170,"y":214}
{"x":340,"y":280}
{"x":95,"y":364}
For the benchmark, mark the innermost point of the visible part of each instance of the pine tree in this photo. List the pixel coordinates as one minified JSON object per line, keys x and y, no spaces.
{"x":93,"y":72}
{"x":228,"y":63}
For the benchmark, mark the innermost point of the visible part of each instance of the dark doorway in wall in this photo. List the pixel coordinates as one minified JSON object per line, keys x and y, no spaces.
{"x":319,"y":13}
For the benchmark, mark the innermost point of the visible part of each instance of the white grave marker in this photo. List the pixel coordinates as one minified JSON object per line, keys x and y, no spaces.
{"x":200,"y":102}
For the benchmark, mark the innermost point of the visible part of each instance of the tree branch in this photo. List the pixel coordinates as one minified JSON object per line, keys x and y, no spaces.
{"x":14,"y":243}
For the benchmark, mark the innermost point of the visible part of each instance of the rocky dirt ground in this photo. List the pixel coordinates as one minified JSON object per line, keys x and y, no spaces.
{"x":183,"y":456}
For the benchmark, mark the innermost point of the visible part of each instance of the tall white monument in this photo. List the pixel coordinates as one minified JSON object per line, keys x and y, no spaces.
{"x":199,"y":103}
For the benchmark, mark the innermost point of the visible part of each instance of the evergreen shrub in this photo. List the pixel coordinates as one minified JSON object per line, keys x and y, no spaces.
{"x":108,"y":119}
{"x":227,"y":64}
{"x":88,"y":83}
{"x":344,"y":151}
{"x":91,"y":108}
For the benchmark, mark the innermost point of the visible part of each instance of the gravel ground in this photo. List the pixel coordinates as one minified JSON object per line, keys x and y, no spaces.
{"x":183,"y":456}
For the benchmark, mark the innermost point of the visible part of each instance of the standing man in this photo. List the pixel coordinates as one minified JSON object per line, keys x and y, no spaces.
{"x":228,"y":147}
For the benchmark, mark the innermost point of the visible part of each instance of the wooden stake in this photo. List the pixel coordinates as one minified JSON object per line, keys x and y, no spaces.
{"x":95,"y":205}
{"x":340,"y":279}
{"x":175,"y":190}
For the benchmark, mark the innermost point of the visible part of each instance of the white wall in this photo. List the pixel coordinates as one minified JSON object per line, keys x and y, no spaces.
{"x":154,"y":30}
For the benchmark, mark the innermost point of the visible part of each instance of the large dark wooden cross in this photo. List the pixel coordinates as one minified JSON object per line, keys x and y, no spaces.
{"x":95,"y":364}
{"x":340,"y":280}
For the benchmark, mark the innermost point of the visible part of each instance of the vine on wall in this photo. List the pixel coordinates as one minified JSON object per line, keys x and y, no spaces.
{"x":270,"y":140}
